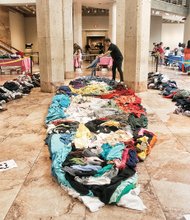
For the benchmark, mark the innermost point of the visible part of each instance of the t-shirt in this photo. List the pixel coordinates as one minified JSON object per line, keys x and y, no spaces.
{"x":160,"y":50}
{"x":115,"y":52}
{"x":187,"y":54}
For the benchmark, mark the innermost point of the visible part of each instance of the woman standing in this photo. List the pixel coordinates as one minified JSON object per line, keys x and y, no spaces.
{"x":187,"y":58}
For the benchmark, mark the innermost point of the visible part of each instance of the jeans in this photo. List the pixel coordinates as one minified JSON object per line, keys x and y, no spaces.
{"x":117,"y":65}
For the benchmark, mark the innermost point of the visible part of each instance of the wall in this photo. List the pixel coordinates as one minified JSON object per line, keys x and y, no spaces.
{"x":92,"y":33}
{"x":17,"y":30}
{"x":172,"y":34}
{"x":31,"y":32}
{"x":155,"y":30}
{"x":94,"y":26}
{"x":95,"y":22}
{"x":5,"y":34}
{"x":187,"y":29}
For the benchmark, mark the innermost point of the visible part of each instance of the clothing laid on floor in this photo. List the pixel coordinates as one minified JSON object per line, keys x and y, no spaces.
{"x":17,"y":88}
{"x":96,"y":136}
{"x":170,"y":90}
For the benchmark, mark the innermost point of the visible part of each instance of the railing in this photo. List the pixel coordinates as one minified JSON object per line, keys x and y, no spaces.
{"x":184,"y":3}
{"x":8,"y":48}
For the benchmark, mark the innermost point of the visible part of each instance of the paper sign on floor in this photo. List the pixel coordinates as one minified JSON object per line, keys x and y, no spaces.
{"x":7,"y":165}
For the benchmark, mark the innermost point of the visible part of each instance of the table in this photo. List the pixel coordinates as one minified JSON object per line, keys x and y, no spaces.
{"x":24,"y":63}
{"x":106,"y":61}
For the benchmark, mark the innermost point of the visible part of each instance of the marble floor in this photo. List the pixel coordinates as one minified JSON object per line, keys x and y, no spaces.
{"x":28,"y":192}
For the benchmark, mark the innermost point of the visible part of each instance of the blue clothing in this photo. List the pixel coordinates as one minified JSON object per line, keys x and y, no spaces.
{"x":56,"y":109}
{"x":111,"y":153}
{"x":58,"y":152}
{"x":94,"y":63}
{"x":66,"y":90}
{"x":66,"y":138}
{"x":87,"y":167}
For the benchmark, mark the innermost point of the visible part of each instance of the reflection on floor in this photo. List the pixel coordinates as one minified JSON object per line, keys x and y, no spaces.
{"x":29,"y":191}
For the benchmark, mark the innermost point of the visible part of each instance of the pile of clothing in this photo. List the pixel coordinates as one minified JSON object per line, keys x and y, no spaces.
{"x":95,"y":138}
{"x":15,"y":89}
{"x":170,"y":90}
{"x":182,"y":99}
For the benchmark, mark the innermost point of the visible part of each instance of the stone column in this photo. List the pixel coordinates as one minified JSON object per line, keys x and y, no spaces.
{"x":77,"y":20}
{"x":68,"y":37}
{"x":187,"y":28}
{"x":120,"y":27}
{"x":137,"y":33}
{"x":51,"y":44}
{"x":112,"y":23}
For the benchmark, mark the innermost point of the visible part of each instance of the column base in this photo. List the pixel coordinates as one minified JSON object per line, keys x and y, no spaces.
{"x":137,"y":86}
{"x":50,"y":87}
{"x":70,"y":75}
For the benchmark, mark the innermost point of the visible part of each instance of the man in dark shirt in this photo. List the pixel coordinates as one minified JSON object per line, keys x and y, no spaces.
{"x":117,"y":57}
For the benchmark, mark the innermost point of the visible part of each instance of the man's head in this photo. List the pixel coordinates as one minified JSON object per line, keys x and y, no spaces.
{"x":107,"y":42}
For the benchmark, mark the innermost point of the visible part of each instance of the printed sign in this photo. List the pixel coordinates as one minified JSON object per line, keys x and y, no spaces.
{"x":7,"y":165}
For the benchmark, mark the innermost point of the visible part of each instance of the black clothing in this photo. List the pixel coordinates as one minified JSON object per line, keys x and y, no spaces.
{"x":117,"y":61}
{"x":115,"y":53}
{"x":105,"y":192}
{"x":117,"y":65}
{"x":96,"y":127}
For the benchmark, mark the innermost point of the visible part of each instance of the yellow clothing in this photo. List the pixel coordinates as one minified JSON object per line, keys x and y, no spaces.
{"x":82,"y":137}
{"x":91,"y":89}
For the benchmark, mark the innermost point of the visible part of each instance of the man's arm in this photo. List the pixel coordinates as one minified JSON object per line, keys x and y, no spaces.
{"x":105,"y":54}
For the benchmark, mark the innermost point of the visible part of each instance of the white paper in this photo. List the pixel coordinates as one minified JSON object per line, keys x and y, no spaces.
{"x":7,"y":165}
{"x":187,"y":217}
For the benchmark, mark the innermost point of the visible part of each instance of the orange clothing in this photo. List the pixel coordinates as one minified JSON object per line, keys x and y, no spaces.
{"x":187,"y":54}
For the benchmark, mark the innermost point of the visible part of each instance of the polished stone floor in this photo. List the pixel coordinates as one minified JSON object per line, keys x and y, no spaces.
{"x":28,"y":192}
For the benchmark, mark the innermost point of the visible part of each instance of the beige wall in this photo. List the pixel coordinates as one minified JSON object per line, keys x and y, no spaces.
{"x":31,"y":32}
{"x":86,"y":34}
{"x":5,"y":34}
{"x":94,"y":26}
{"x":155,"y":30}
{"x":172,"y":34}
{"x":17,"y":30}
{"x":95,"y":22}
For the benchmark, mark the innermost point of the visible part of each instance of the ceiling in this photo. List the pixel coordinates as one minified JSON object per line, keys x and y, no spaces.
{"x":103,"y":4}
{"x":168,"y":17}
{"x":26,"y":10}
{"x":97,"y":8}
{"x":89,"y":8}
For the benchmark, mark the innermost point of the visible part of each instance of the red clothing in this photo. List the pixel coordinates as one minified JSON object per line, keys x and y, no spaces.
{"x":187,"y":54}
{"x":160,"y":50}
{"x":126,"y":100}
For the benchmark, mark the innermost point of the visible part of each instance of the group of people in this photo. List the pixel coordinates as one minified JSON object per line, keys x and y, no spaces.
{"x":112,"y":50}
{"x":162,"y":53}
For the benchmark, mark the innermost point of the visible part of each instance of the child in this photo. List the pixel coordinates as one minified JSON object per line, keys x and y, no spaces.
{"x":77,"y":59}
{"x":93,"y":65}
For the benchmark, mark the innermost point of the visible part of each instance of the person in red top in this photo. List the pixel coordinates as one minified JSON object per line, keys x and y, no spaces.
{"x":187,"y":58}
{"x":161,"y":52}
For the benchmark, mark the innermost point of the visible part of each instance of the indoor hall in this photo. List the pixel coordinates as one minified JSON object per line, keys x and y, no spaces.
{"x":37,"y":187}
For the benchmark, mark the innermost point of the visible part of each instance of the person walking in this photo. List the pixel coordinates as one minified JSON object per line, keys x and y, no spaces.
{"x":117,"y":57}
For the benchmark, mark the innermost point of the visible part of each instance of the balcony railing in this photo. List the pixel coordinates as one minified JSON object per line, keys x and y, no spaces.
{"x":184,"y":3}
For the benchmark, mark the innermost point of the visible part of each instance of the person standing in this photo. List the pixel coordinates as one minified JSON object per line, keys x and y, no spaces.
{"x":117,"y":57}
{"x":187,"y":58}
